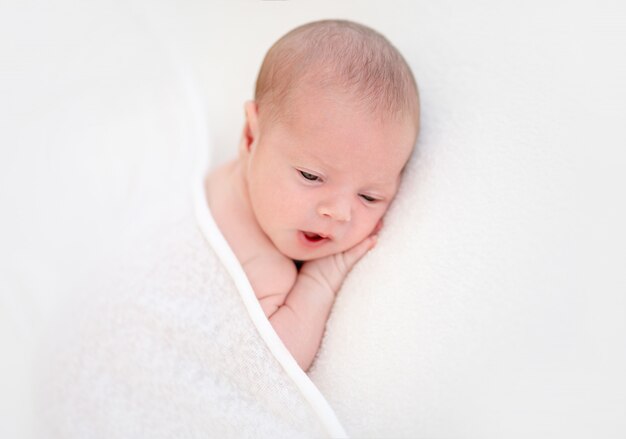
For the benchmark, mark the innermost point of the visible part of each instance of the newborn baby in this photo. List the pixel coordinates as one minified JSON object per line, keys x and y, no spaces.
{"x":333,"y":123}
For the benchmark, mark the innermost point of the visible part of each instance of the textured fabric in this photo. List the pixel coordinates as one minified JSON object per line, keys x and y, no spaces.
{"x":170,"y":352}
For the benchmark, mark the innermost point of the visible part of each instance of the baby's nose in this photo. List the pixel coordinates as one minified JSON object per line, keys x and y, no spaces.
{"x":339,"y":210}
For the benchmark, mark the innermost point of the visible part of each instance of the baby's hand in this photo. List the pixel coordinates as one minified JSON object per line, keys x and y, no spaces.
{"x":301,"y":319}
{"x":330,"y":271}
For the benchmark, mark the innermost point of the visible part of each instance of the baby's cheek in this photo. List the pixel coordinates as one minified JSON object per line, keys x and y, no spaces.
{"x":284,"y":199}
{"x":361,"y":233}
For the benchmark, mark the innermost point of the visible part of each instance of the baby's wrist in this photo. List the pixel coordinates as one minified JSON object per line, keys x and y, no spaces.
{"x":319,"y":285}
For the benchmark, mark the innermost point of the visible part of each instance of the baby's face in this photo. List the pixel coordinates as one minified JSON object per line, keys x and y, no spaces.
{"x":320,"y":183}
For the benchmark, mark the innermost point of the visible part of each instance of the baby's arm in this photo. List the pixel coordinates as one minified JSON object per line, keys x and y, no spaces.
{"x":301,"y":319}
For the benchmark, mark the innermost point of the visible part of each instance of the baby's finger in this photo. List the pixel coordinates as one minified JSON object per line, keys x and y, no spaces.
{"x":351,"y":256}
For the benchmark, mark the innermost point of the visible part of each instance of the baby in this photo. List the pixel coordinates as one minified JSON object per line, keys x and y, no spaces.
{"x":333,"y":123}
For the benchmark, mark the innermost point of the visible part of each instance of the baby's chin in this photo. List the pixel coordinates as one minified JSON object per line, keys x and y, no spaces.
{"x":304,"y":255}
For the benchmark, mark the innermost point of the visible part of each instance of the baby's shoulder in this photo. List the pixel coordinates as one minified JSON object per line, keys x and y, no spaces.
{"x":270,"y":273}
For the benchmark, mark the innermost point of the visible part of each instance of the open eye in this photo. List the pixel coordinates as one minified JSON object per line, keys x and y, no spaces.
{"x":368,"y":198}
{"x":308,"y":176}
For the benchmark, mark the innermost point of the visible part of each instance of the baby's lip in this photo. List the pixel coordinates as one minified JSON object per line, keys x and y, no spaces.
{"x":315,"y":234}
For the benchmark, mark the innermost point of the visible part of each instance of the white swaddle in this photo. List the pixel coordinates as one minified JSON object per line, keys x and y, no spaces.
{"x":180,"y":347}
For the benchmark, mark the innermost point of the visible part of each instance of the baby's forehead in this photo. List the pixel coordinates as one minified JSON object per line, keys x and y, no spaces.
{"x":343,"y":142}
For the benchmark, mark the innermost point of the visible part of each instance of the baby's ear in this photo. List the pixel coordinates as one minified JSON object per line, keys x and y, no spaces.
{"x":251,"y":128}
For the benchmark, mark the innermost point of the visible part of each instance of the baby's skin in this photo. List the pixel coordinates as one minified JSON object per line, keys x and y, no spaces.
{"x":312,"y":187}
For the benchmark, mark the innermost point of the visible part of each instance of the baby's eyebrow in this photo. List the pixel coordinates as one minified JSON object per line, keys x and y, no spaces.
{"x":384,"y":187}
{"x":310,"y":157}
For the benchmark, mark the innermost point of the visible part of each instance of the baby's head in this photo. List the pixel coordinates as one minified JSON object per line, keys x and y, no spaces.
{"x":334,"y":121}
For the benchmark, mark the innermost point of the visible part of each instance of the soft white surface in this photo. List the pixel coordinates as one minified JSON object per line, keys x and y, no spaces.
{"x":494,"y":303}
{"x":166,"y":349}
{"x":93,"y":130}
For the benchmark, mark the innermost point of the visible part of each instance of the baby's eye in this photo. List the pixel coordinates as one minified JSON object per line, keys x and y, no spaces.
{"x":368,"y":198}
{"x":308,"y":176}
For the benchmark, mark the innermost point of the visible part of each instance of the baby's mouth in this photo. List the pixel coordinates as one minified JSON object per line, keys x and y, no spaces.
{"x":313,"y":237}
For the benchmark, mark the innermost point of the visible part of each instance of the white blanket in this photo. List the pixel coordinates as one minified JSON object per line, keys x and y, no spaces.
{"x":180,"y":347}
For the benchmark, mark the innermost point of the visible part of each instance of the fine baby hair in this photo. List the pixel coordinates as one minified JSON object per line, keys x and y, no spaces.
{"x":341,"y":55}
